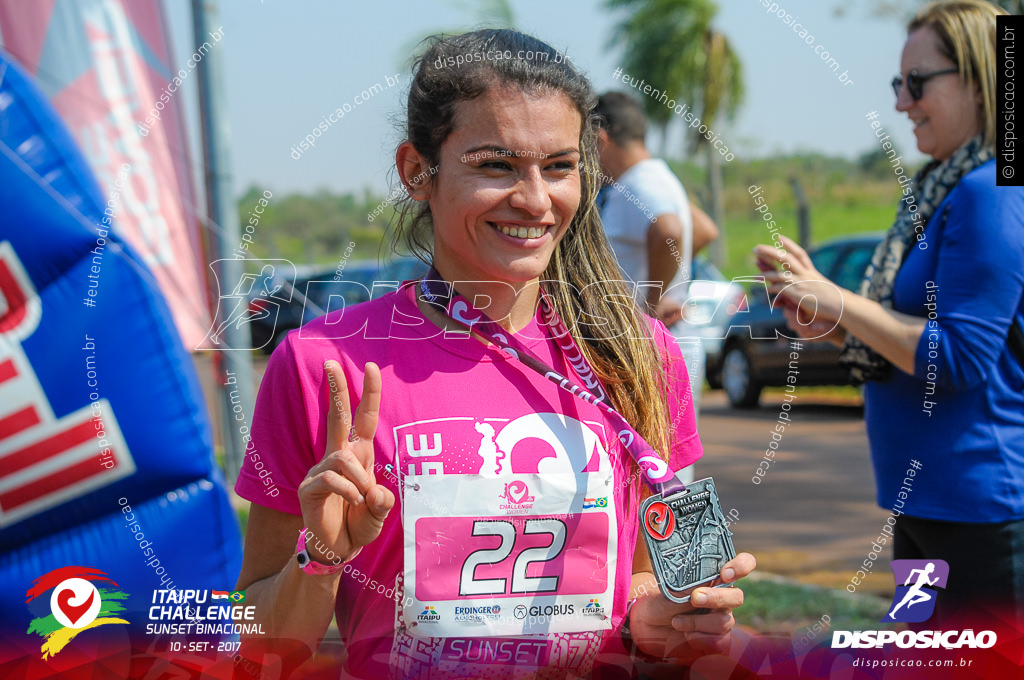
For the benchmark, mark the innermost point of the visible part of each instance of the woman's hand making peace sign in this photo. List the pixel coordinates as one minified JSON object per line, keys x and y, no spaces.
{"x":342,"y":504}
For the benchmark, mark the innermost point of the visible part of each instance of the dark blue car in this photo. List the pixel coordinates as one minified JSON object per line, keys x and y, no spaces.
{"x":311,"y":296}
{"x":755,"y":353}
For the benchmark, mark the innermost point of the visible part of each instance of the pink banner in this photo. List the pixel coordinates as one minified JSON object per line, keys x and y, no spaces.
{"x":107,"y":67}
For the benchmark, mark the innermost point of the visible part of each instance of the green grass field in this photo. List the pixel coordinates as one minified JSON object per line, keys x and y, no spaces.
{"x":772,"y":605}
{"x":828,"y":221}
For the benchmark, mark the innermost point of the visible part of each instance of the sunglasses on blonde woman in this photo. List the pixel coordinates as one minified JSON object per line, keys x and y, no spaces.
{"x":915,"y":82}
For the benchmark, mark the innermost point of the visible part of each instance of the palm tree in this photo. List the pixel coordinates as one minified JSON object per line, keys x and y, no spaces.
{"x":673,"y":46}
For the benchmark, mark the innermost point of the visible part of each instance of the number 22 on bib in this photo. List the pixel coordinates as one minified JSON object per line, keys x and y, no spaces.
{"x":521,"y":554}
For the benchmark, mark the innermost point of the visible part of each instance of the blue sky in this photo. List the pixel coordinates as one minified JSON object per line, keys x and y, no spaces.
{"x":289,"y":63}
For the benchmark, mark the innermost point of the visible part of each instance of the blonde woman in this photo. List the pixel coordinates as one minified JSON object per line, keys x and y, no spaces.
{"x":936,"y":328}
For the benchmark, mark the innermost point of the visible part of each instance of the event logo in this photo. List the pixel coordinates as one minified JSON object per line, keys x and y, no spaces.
{"x":914,"y":601}
{"x":517,"y":493}
{"x":659,"y":520}
{"x":594,"y":608}
{"x":65,"y":602}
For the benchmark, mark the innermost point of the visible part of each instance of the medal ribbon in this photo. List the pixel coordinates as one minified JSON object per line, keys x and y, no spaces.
{"x":441,"y":294}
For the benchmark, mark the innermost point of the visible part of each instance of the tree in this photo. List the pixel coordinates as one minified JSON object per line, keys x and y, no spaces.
{"x":672,"y":45}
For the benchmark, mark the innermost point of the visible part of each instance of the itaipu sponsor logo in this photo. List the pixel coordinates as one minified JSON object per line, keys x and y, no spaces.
{"x":66,"y":602}
{"x":517,"y":493}
{"x":478,"y":613}
{"x":593,"y":608}
{"x":914,"y":602}
{"x":595,"y":503}
{"x":428,"y":615}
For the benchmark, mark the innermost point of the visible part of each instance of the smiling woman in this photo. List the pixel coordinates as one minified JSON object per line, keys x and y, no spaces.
{"x":508,"y":498}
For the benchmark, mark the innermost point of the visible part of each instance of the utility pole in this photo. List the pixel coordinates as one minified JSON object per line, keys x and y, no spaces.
{"x":235,"y":362}
{"x":803,"y":213}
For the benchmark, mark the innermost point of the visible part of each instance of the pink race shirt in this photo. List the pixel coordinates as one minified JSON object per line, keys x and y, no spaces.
{"x":449,"y":406}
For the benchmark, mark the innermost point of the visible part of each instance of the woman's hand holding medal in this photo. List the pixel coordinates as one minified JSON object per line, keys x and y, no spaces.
{"x":666,"y":629}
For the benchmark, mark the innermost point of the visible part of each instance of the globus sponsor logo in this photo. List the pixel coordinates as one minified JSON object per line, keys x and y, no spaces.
{"x":907,"y":639}
{"x":552,"y":610}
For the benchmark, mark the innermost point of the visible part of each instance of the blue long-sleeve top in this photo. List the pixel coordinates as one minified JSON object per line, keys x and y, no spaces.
{"x":967,"y":430}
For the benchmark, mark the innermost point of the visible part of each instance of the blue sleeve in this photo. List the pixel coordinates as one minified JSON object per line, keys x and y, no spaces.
{"x":980,"y":279}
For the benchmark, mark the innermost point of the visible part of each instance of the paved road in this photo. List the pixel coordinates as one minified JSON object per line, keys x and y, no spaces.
{"x":813,"y":516}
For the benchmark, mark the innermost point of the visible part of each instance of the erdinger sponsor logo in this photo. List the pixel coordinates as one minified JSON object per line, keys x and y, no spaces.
{"x":517,"y":494}
{"x":428,"y":615}
{"x":594,"y":608}
{"x":477,"y":613}
{"x":914,"y":602}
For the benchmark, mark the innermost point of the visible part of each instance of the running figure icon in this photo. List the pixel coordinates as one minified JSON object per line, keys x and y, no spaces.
{"x":256,"y":296}
{"x":916,"y":595}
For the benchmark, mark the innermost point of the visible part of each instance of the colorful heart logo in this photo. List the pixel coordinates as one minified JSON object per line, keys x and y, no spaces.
{"x":659,"y":520}
{"x":516,"y":492}
{"x":71,"y":611}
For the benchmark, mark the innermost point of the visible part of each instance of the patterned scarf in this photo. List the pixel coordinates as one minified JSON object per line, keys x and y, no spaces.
{"x":930,"y":186}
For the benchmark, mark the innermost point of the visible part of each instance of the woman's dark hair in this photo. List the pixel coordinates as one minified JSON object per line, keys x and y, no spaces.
{"x":460,"y":68}
{"x":622,"y":117}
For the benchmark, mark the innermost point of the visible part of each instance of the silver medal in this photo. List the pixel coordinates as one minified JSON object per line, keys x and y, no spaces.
{"x":687,"y":537}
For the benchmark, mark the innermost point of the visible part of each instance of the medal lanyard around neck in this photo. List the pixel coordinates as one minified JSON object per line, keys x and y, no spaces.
{"x":440,"y":294}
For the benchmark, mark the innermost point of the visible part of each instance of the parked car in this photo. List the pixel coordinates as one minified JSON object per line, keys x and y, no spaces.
{"x":755,"y":353}
{"x":311,"y":293}
{"x":711,"y":301}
